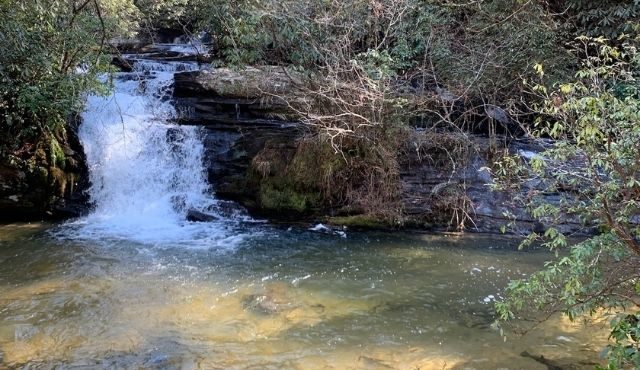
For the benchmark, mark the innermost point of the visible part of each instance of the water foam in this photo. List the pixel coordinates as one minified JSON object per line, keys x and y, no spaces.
{"x":146,"y":173}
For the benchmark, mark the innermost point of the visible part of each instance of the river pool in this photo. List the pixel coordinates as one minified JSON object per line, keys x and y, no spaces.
{"x":272,"y":298}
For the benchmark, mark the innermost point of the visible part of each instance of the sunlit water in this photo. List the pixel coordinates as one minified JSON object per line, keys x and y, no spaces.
{"x":285,"y":299}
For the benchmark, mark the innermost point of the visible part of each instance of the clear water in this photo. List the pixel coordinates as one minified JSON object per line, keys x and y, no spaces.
{"x":281,"y":299}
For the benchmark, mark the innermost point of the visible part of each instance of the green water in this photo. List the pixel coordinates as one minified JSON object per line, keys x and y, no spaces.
{"x":279,"y":300}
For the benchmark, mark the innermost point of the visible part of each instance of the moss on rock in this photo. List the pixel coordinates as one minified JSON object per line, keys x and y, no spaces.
{"x":361,"y":222}
{"x":287,"y":199}
{"x":57,"y":156}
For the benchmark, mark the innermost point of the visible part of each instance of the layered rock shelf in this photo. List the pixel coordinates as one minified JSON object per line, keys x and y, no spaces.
{"x":246,"y":112}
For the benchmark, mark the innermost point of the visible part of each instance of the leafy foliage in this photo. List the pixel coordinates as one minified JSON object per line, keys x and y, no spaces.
{"x":52,"y":51}
{"x":594,"y":167}
{"x":165,"y":13}
{"x":603,"y":18}
{"x":480,"y":46}
{"x":625,"y":351}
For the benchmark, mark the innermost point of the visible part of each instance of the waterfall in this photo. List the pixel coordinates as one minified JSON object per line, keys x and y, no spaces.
{"x":146,"y":173}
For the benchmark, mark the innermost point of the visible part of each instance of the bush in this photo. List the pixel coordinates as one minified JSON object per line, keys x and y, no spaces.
{"x":52,"y":51}
{"x":594,"y":167}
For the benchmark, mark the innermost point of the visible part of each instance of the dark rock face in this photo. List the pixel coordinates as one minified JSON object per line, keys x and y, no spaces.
{"x":249,"y":97}
{"x":425,"y":182}
{"x":197,"y":216}
{"x":240,"y":119}
{"x":243,"y":119}
{"x":33,"y":188}
{"x":121,"y":63}
{"x":229,"y":152}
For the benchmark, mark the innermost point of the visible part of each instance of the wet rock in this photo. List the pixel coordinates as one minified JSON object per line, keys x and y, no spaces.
{"x":33,"y":188}
{"x":121,"y":63}
{"x":330,"y":230}
{"x":73,"y":206}
{"x":241,"y":124}
{"x":229,"y":152}
{"x":197,"y":216}
{"x":229,"y":209}
{"x":424,"y":181}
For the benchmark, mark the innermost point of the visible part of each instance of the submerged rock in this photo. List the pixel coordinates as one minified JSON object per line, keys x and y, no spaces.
{"x":273,"y":300}
{"x":562,"y":364}
{"x":264,"y":304}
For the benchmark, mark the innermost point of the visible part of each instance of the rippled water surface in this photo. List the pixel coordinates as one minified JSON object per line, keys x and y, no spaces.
{"x":277,"y":299}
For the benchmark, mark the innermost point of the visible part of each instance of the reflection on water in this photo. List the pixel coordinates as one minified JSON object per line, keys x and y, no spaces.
{"x":284,"y":300}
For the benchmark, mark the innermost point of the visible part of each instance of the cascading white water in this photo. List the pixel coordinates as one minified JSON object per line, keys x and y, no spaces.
{"x":145,"y":172}
{"x":187,"y":45}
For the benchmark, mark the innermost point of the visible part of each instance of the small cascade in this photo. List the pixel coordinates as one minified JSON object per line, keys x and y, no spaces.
{"x":146,"y":173}
{"x":187,"y":45}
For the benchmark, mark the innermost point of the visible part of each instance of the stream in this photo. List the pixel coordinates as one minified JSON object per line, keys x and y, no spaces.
{"x":134,"y":285}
